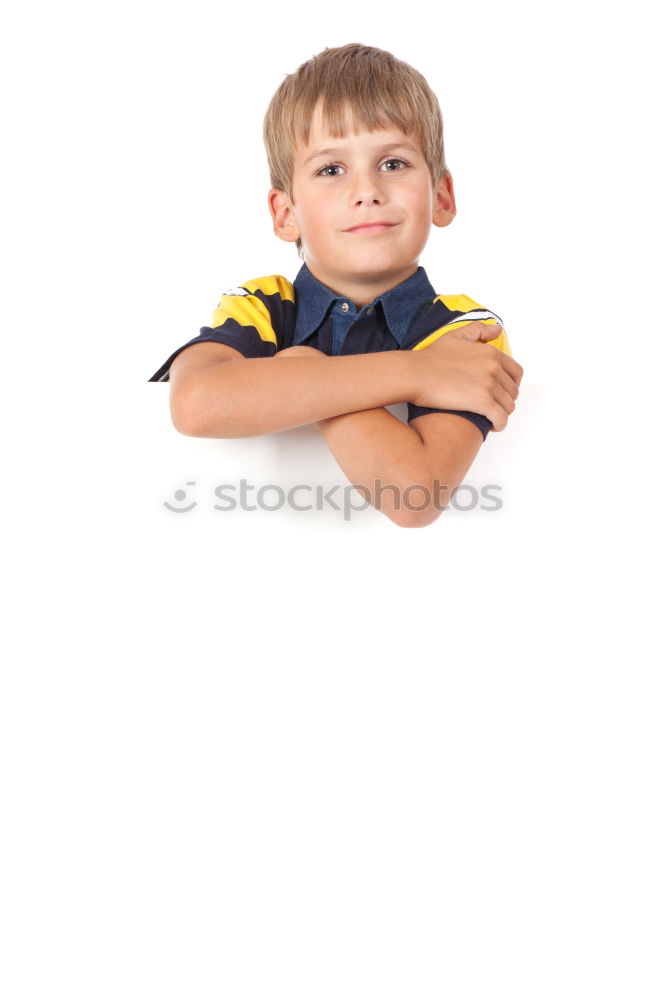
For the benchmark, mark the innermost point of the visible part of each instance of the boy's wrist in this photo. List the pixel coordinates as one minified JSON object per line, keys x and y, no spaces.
{"x":407,"y":362}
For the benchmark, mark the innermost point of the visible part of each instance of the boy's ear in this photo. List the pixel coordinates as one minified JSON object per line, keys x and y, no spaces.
{"x":284,"y":224}
{"x":444,"y":209}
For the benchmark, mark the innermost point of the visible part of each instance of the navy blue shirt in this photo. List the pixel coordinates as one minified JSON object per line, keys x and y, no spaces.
{"x":268,"y":314}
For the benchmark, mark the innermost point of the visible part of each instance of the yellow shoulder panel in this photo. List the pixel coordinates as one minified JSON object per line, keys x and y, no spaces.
{"x":245,"y":307}
{"x":463,"y":303}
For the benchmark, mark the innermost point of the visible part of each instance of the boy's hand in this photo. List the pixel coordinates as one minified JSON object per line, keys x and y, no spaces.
{"x":462,"y":372}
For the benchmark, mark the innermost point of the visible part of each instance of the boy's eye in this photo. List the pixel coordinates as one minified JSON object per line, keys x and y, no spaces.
{"x":336,"y":166}
{"x":329,"y":166}
{"x":394,"y":160}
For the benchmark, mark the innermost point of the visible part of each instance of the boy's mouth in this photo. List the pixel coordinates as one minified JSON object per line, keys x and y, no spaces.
{"x":371,"y":227}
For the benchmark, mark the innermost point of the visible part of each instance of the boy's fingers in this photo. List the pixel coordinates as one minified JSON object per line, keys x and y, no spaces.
{"x":508,"y":398}
{"x":490,"y":331}
{"x":508,"y":385}
{"x":512,"y":367}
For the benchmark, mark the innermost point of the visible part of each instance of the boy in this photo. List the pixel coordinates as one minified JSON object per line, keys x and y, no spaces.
{"x":356,"y":157}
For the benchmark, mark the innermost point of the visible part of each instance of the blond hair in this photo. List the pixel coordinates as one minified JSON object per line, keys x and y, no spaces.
{"x":377,"y":88}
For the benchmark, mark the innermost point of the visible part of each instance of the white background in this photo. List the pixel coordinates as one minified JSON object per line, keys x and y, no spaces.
{"x":271,"y":757}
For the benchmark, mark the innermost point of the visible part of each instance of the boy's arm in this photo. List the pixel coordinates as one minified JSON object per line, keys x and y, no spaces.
{"x":408,"y":471}
{"x":435,"y":450}
{"x":218,"y":393}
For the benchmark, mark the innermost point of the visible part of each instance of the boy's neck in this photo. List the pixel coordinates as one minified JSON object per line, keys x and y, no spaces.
{"x":361,"y":292}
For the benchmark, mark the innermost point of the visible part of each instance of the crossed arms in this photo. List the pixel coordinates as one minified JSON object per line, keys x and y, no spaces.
{"x":216,"y":392}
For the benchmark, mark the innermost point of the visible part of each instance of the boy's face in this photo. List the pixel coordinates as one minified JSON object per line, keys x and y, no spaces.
{"x":378,"y":181}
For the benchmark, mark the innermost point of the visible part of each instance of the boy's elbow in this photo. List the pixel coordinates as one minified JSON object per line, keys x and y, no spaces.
{"x":412,"y":504}
{"x":414,"y":518}
{"x":184,"y":414}
{"x":190,"y":413}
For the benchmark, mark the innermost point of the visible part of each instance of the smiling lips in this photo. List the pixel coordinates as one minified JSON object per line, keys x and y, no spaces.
{"x":368,"y":228}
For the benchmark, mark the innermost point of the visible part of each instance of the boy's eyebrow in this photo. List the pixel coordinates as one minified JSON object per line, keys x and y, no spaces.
{"x":341,"y":150}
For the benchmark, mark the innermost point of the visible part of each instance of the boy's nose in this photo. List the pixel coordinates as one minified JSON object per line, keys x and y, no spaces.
{"x":367,"y":192}
{"x":366,"y":187}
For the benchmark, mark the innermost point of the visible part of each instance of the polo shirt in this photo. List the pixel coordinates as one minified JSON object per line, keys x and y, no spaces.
{"x":268,"y":314}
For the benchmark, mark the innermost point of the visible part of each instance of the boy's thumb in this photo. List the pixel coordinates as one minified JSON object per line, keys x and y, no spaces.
{"x":489,"y":331}
{"x":479,"y":331}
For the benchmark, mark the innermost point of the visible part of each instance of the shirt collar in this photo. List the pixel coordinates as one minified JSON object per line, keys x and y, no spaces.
{"x":400,"y":304}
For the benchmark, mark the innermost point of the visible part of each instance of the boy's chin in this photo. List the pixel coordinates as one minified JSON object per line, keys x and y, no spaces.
{"x":379,"y":270}
{"x":372,"y":259}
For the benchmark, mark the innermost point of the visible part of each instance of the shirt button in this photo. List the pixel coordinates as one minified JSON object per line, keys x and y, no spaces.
{"x":370,"y":311}
{"x":345,"y":307}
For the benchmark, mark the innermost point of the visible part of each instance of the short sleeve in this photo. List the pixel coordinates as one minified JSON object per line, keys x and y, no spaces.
{"x":478,"y":419}
{"x":246,"y":318}
{"x":465,"y":311}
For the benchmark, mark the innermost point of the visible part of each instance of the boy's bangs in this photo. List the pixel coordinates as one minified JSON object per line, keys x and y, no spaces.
{"x":373,"y":111}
